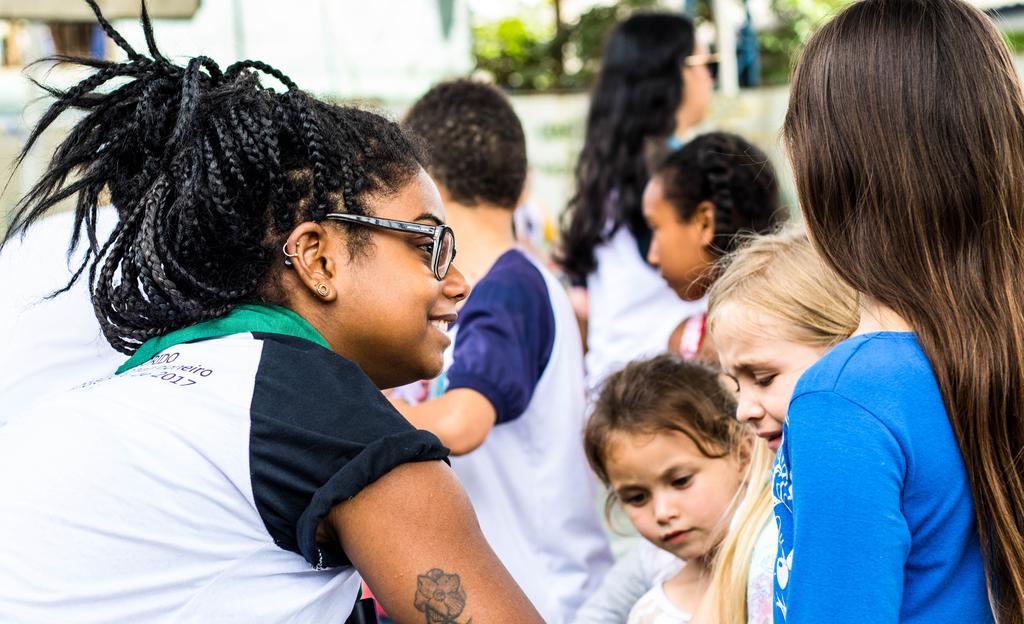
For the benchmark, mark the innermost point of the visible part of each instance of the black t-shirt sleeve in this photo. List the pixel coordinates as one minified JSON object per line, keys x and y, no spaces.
{"x":320,"y":432}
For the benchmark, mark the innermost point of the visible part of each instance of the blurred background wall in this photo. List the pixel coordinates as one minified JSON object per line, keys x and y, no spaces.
{"x":386,"y":53}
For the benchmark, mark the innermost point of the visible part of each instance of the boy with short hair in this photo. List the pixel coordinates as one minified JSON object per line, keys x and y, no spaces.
{"x":511,"y":403}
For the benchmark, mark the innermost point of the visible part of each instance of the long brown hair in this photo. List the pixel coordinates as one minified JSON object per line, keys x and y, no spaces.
{"x":906,"y":132}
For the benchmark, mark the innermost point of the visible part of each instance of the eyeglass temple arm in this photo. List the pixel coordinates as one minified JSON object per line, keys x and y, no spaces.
{"x":388,"y":223}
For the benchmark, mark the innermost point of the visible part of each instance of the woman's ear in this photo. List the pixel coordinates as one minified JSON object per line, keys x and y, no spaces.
{"x":704,"y":215}
{"x":311,"y":250}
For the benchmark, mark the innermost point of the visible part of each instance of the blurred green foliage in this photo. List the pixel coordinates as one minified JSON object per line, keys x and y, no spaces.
{"x":1015,"y":40}
{"x":797,"y":19}
{"x":527,"y":56}
{"x":514,"y":54}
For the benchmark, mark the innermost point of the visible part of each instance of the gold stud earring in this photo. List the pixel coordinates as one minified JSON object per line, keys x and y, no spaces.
{"x":322,"y":289}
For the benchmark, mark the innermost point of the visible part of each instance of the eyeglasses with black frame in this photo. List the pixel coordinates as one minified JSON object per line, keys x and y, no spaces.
{"x":443,"y":251}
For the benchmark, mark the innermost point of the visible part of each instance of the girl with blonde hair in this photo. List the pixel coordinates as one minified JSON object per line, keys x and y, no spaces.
{"x":775,"y":309}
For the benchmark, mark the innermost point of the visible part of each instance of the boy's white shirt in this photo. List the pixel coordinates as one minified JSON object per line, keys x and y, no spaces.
{"x":547,"y":532}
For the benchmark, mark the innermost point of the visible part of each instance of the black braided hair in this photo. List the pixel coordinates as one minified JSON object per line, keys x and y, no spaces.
{"x":731,"y":173}
{"x":208,"y":171}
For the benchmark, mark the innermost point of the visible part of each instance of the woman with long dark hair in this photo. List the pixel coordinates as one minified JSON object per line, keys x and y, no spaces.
{"x":275,"y":262}
{"x":654,"y":85}
{"x":899,"y":486}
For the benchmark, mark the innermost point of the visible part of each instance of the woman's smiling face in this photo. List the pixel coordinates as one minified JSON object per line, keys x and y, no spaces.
{"x":759,"y":353}
{"x":392,"y":314}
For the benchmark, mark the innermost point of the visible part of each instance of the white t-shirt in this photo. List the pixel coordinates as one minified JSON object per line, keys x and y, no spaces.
{"x":646,"y":566}
{"x":654,"y":607}
{"x":189,"y":488}
{"x":640,"y":568}
{"x":517,"y":343}
{"x":761,"y":575}
{"x":632,"y":310}
{"x":48,"y":345}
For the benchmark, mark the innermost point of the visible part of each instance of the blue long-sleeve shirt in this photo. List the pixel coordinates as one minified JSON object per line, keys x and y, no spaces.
{"x":875,"y":512}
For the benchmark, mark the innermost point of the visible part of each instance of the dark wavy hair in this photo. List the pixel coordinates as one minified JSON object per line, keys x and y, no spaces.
{"x":731,"y":173}
{"x":635,"y":99}
{"x":474,"y":142}
{"x":208,"y":171}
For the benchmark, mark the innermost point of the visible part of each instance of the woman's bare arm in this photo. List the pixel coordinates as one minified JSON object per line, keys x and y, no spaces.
{"x":414,"y":537}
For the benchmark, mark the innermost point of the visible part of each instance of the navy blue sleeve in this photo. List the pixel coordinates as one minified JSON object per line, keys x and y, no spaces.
{"x":320,"y":432}
{"x":843,"y":538}
{"x":506,"y":334}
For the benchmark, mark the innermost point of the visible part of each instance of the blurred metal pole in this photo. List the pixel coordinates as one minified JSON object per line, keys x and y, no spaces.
{"x":237,"y":17}
{"x":726,"y":25}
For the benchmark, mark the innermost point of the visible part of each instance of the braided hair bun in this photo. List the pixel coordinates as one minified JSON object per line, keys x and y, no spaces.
{"x":732,"y":174}
{"x":209,"y":171}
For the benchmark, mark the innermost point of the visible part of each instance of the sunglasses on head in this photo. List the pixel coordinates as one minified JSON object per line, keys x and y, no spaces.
{"x":708,"y":60}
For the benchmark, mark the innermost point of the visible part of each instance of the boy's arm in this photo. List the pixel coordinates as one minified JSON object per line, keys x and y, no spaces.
{"x":461,"y":418}
{"x":505,"y":337}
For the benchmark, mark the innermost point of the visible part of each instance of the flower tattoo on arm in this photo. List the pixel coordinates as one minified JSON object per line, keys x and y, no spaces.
{"x":440,"y":597}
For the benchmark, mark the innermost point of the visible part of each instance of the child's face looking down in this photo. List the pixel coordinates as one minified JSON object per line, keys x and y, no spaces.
{"x":759,"y":353}
{"x":677,"y":498}
{"x":680,"y":249}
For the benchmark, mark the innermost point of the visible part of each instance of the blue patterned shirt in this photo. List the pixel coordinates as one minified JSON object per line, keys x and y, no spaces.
{"x":874,"y":509}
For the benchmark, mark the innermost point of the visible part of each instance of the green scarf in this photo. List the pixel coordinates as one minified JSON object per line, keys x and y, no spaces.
{"x":243,"y":319}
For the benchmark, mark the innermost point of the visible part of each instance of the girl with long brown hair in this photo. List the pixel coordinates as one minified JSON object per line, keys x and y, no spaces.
{"x":654,"y":86}
{"x":898,"y":488}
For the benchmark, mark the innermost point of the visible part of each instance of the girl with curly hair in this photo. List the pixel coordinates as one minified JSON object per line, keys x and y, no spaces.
{"x":699,"y":200}
{"x":663,"y":439}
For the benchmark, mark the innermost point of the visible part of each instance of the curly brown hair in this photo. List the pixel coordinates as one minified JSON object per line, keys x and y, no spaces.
{"x":663,"y":393}
{"x":475,"y":144}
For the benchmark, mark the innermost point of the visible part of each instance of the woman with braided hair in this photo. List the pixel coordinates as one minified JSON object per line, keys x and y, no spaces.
{"x":276,"y":260}
{"x":699,"y":199}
